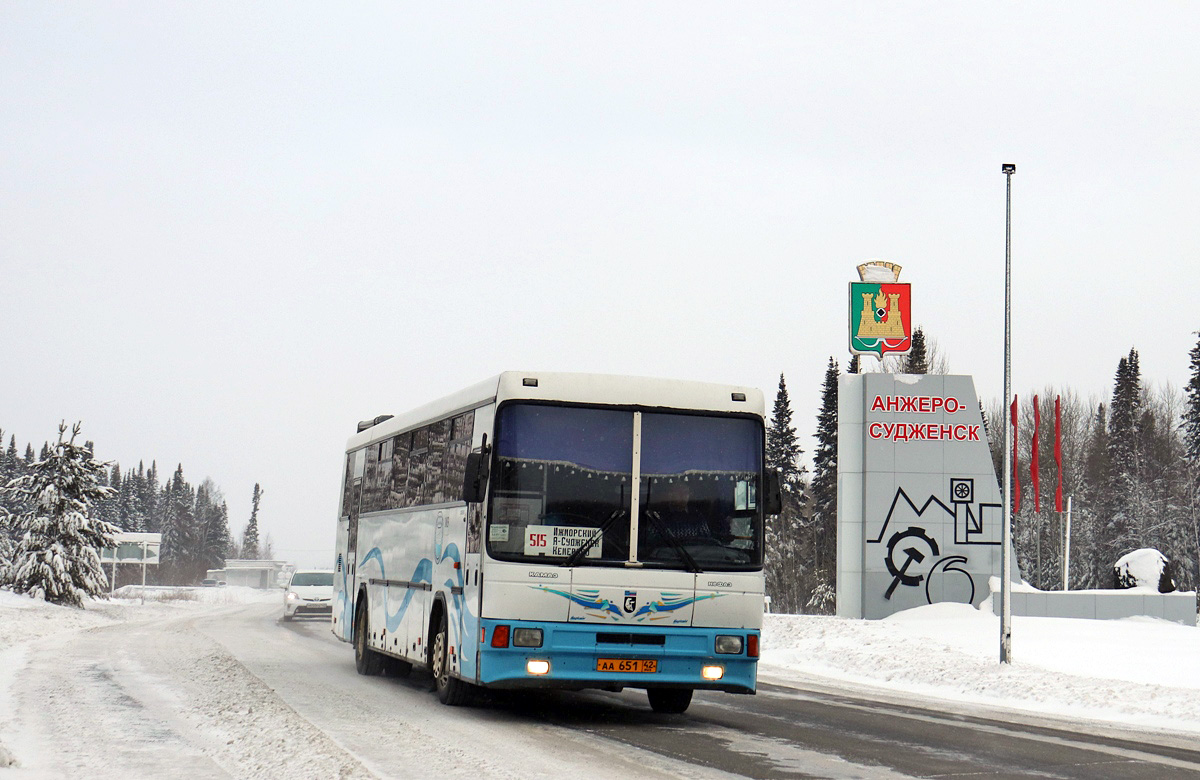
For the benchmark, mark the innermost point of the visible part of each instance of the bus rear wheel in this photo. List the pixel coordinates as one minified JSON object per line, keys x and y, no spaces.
{"x":671,"y":701}
{"x":366,"y":660}
{"x":450,"y":690}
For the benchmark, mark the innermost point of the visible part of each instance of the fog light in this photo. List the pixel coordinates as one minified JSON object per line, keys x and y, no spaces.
{"x":527,"y":637}
{"x":713,"y":672}
{"x":537,"y":667}
{"x":729,"y":645}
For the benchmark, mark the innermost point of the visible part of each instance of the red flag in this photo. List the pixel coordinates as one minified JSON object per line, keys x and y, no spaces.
{"x":1058,"y":454}
{"x":1033,"y":465}
{"x":1016,"y":476}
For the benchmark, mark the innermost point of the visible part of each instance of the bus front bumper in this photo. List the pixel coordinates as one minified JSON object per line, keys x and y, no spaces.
{"x":596,"y":655}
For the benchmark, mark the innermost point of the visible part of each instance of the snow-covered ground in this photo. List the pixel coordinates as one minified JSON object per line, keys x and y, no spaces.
{"x":210,"y":680}
{"x":1138,"y":672}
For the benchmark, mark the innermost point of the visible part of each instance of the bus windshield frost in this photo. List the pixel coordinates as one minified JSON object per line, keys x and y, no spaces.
{"x":564,"y":492}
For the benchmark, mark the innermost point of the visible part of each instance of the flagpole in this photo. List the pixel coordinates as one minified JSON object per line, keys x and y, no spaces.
{"x":1008,"y":169}
{"x":1067,"y":554}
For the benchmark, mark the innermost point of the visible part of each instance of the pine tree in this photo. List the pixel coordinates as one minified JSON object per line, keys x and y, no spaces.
{"x":1191,"y":413}
{"x":179,"y":533}
{"x":1124,"y":415}
{"x":57,"y":557}
{"x":1123,"y":499}
{"x":917,"y":359}
{"x":212,"y":521}
{"x":151,"y":507}
{"x":855,"y":366}
{"x":250,"y":536}
{"x":784,"y":567}
{"x":824,"y":494}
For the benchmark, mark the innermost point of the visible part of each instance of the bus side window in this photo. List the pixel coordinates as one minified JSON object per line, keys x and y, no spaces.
{"x":435,"y":477}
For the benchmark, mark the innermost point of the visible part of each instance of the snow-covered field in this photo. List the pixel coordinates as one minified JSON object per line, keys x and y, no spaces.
{"x":194,"y":678}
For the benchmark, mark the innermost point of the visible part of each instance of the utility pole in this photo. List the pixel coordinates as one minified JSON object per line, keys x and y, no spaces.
{"x":1008,"y":169}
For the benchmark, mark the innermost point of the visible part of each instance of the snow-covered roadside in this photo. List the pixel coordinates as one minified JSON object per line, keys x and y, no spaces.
{"x":218,"y":690}
{"x":1138,"y":672}
{"x":25,"y":622}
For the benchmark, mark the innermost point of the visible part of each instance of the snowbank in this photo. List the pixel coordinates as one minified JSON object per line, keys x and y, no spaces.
{"x":1136,"y":671}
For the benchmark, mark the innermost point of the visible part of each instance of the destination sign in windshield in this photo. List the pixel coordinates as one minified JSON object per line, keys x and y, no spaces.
{"x":559,"y":540}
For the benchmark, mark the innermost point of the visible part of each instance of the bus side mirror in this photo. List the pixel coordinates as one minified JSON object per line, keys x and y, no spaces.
{"x":475,"y":477}
{"x":773,"y":500}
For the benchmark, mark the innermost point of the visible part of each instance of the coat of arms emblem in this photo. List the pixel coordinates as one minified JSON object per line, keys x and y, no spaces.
{"x":880,"y":315}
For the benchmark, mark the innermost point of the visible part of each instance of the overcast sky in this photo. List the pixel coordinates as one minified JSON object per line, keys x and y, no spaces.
{"x":229,"y":231}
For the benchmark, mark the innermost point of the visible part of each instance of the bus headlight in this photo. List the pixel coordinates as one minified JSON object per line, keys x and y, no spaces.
{"x":537,"y":667}
{"x":712,"y":672}
{"x":729,"y":645}
{"x":527,"y":637}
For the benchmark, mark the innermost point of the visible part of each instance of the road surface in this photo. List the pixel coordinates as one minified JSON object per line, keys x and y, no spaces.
{"x":233,"y":691}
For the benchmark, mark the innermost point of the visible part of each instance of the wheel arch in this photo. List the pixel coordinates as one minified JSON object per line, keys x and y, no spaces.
{"x":360,"y":601}
{"x":437,"y":611}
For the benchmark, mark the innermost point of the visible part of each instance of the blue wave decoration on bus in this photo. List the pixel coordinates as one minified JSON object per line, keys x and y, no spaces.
{"x":422,"y":573}
{"x":461,"y":618}
{"x":669,"y":603}
{"x":589,"y":598}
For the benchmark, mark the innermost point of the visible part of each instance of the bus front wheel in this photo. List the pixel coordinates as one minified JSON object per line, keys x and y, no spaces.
{"x":671,"y":701}
{"x":450,"y":690}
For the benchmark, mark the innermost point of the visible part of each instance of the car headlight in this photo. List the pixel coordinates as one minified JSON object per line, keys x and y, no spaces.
{"x":292,"y":596}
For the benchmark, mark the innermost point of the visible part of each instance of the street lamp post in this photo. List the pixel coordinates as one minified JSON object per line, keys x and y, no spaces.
{"x":1008,"y":169}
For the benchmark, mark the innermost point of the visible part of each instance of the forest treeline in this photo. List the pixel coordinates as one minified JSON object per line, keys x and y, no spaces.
{"x":193,"y":519}
{"x":1131,"y":465}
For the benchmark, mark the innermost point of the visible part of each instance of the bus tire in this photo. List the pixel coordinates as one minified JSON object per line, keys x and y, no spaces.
{"x":450,"y":689}
{"x":670,"y":701}
{"x":366,"y":660}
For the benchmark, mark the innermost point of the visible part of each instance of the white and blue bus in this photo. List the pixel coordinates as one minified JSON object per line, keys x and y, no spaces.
{"x":560,"y":531}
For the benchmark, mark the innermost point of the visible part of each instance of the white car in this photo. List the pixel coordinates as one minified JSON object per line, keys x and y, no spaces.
{"x":310,"y":592}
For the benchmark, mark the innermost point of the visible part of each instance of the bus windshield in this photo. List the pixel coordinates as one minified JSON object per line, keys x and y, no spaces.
{"x":564,"y":480}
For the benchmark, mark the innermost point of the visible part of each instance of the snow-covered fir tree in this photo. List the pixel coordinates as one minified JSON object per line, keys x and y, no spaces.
{"x":784,"y":564}
{"x":250,"y":535}
{"x":212,"y":520}
{"x":1124,"y":439}
{"x":57,"y":557}
{"x":179,"y":532}
{"x":1191,"y":411}
{"x":823,"y":493}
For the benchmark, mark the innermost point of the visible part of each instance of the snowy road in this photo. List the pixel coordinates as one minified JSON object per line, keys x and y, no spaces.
{"x":232,"y":691}
{"x":235,"y":692}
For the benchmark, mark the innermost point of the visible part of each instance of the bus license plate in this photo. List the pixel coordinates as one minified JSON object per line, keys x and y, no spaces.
{"x":635,"y":665}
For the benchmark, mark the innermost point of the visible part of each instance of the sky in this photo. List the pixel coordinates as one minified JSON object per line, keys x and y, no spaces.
{"x":228,"y":232}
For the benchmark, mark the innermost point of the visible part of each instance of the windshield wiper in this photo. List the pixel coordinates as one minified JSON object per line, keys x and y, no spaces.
{"x":574,"y":558}
{"x":684,"y":555}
